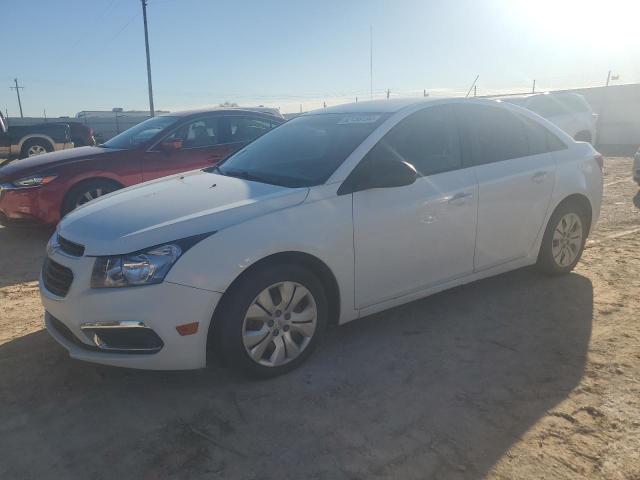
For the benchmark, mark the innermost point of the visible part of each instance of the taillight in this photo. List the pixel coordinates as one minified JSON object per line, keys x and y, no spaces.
{"x":600,"y":161}
{"x":90,"y":135}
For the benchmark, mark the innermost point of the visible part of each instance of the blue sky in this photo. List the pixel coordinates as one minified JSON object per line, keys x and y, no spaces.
{"x":74,"y":55}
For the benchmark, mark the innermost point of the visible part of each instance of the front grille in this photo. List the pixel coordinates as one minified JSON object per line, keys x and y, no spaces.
{"x":70,"y":248}
{"x":56,"y":278}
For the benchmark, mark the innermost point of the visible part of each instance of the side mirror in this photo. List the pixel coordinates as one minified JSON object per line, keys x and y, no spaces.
{"x":171,"y":146}
{"x":379,"y":173}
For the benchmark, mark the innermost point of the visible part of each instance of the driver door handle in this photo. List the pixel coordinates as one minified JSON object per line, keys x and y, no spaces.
{"x":460,"y":198}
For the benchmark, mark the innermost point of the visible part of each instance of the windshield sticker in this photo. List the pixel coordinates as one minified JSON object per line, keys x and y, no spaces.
{"x":350,"y":119}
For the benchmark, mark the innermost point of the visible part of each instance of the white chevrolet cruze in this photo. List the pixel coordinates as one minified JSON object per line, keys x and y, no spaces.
{"x":332,"y":216}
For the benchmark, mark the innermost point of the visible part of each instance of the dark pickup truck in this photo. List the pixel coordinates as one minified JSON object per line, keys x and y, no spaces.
{"x":25,"y":141}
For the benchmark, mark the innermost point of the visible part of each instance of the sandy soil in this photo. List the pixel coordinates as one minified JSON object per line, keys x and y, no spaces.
{"x":518,"y":376}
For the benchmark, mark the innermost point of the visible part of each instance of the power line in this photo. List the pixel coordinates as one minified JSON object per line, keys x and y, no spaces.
{"x":17,"y":89}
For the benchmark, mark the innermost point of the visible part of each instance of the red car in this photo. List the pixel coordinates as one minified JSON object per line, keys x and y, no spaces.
{"x":44,"y":188}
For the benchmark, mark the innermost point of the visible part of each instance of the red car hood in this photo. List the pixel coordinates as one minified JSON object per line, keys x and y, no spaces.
{"x":48,"y":161}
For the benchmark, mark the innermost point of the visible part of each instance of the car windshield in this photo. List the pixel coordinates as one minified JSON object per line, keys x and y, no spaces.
{"x":302,"y":152}
{"x":140,"y":133}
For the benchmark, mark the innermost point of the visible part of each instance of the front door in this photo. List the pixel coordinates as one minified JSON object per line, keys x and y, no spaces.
{"x":198,"y":143}
{"x":410,"y":238}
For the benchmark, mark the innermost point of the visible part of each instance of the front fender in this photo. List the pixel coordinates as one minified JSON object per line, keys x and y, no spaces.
{"x":214,"y":263}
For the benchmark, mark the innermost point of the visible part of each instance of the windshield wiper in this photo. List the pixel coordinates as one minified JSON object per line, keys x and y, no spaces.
{"x":243,"y":174}
{"x":213,"y":169}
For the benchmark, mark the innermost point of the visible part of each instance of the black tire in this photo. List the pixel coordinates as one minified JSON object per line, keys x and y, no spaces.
{"x":549,"y":264}
{"x":226,"y":334}
{"x":35,"y":143}
{"x":78,"y":194}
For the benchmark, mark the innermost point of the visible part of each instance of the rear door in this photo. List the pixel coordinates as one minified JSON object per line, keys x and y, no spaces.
{"x":515,"y":168}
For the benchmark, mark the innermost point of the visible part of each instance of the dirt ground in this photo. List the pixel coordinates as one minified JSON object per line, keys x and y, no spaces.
{"x":517,"y":376}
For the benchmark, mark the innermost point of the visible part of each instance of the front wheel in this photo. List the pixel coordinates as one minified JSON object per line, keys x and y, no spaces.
{"x":85,"y":192}
{"x":563,"y":240}
{"x":272,"y":320}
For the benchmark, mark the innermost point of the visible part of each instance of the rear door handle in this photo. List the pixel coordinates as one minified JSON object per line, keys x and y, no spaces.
{"x":539,"y":177}
{"x":460,"y":198}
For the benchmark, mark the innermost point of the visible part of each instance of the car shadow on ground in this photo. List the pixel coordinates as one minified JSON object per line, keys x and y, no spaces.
{"x":439,"y":388}
{"x":22,"y":251}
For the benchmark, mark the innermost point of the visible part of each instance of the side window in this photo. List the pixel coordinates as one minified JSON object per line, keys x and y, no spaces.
{"x":247,"y":129}
{"x":546,"y":106}
{"x":495,"y":134}
{"x":574,"y":103}
{"x":427,"y":139}
{"x":540,"y":139}
{"x":199,"y":133}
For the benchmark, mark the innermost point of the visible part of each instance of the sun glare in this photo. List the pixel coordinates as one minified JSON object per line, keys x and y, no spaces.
{"x":596,"y":23}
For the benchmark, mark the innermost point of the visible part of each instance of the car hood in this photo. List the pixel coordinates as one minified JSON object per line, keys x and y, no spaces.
{"x":48,"y":161}
{"x":171,"y":209}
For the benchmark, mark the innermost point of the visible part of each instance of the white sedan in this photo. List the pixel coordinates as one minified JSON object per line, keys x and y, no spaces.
{"x":332,"y":216}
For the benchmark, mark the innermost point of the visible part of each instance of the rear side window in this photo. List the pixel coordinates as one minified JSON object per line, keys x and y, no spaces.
{"x":575,"y":103}
{"x":427,"y":139}
{"x":540,"y":139}
{"x":493,"y":133}
{"x":546,"y":106}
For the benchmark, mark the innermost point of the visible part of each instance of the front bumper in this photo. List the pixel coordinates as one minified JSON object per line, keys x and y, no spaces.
{"x":29,"y":206}
{"x":160,"y":308}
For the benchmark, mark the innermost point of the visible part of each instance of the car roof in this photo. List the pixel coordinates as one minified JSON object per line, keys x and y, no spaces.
{"x":375,"y":106}
{"x":196,"y":111}
{"x":522,"y":96}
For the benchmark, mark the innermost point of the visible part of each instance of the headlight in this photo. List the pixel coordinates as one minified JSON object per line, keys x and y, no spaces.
{"x":34,"y":181}
{"x":143,"y":268}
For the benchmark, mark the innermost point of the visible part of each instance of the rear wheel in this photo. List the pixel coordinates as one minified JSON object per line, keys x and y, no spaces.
{"x":35,"y":146}
{"x":271,"y":321}
{"x":563,"y":240}
{"x":85,"y":192}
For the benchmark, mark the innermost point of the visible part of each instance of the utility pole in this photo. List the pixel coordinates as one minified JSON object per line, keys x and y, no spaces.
{"x":533,"y":90}
{"x":608,"y":78}
{"x":475,"y":92}
{"x":17,"y":89}
{"x":388,"y":93}
{"x":146,"y":43}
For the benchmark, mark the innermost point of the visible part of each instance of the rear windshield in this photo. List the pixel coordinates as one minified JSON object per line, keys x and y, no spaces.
{"x":304,"y":151}
{"x":140,"y":133}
